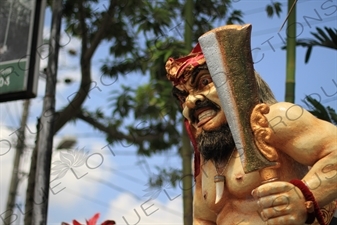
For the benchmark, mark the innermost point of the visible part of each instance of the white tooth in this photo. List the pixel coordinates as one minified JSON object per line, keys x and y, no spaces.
{"x":219,"y":187}
{"x":205,"y":114}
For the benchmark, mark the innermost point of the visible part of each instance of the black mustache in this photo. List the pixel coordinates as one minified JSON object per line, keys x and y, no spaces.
{"x":202,"y":104}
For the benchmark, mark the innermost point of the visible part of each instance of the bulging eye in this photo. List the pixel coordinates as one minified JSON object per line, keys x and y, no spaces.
{"x":204,"y":81}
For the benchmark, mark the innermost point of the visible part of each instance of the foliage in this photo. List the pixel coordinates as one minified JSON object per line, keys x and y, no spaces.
{"x":141,"y":35}
{"x":274,"y":8}
{"x":317,"y":109}
{"x":323,"y":38}
{"x":328,"y":39}
{"x":153,"y":31}
{"x":159,"y":24}
{"x":164,"y":179}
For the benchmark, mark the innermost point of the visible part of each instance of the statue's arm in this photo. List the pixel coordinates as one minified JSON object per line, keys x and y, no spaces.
{"x":311,"y":142}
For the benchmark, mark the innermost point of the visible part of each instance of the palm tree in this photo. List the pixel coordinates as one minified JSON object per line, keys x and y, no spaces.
{"x":321,"y":112}
{"x":322,"y":38}
{"x":291,"y":53}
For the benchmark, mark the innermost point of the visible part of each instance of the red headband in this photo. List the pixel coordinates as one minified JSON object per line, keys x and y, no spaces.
{"x":179,"y":70}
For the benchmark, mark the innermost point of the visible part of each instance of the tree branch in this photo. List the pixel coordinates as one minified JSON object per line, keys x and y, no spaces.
{"x":114,"y":134}
{"x":80,"y":96}
{"x":83,"y":27}
{"x":99,"y":35}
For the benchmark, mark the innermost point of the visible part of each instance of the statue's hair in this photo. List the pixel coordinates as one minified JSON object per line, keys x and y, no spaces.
{"x":265,"y":93}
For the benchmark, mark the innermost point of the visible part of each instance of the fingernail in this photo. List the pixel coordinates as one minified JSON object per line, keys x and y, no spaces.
{"x":263,"y":217}
{"x":253,"y":193}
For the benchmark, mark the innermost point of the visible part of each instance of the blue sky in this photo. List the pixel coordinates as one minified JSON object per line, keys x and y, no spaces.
{"x":112,"y":180}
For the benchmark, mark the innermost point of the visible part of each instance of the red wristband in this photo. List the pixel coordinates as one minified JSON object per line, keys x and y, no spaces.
{"x":309,"y":197}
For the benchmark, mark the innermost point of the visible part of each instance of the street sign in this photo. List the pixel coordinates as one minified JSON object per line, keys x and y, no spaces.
{"x":21,"y":24}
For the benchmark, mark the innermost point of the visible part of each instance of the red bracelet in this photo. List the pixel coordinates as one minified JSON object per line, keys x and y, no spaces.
{"x":310,"y":197}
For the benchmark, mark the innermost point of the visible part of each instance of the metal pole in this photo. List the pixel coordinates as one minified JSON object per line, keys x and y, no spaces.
{"x":16,"y":164}
{"x":45,"y":141}
{"x":8,"y":23}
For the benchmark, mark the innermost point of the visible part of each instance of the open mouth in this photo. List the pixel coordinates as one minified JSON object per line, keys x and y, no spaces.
{"x":203,"y":112}
{"x":204,"y":115}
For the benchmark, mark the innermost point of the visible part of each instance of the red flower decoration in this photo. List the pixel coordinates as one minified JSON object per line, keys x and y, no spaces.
{"x":92,"y":221}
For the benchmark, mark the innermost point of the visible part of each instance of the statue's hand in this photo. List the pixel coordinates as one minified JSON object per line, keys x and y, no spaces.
{"x":280,"y":203}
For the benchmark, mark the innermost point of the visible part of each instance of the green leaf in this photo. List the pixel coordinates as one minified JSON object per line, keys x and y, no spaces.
{"x":278,"y":9}
{"x":317,"y":108}
{"x":322,"y":39}
{"x":332,"y":114}
{"x":307,"y":55}
{"x":235,"y":17}
{"x":333,"y":35}
{"x":270,"y":11}
{"x":323,"y":35}
{"x":317,"y":36}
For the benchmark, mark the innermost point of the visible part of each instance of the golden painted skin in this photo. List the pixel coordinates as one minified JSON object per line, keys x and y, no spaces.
{"x":300,"y":139}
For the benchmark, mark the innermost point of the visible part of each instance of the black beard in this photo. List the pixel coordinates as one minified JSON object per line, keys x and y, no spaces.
{"x":217,"y":144}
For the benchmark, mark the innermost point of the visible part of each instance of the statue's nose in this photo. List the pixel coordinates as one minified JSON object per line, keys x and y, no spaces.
{"x":193,"y":100}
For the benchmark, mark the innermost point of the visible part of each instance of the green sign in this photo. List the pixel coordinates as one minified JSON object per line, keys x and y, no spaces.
{"x":21,"y":24}
{"x":12,"y":77}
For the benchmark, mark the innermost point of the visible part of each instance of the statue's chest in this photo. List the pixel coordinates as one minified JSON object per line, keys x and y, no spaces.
{"x":237,"y":185}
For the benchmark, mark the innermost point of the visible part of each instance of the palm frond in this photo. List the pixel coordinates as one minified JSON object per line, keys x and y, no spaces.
{"x":322,"y":38}
{"x":317,"y":109}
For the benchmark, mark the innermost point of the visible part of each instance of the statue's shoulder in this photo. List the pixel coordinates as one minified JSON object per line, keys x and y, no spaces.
{"x":288,"y":119}
{"x":291,"y":119}
{"x":290,"y":113}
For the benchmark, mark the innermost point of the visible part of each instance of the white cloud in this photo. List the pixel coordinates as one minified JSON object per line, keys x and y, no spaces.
{"x":78,"y":166}
{"x":126,"y":210}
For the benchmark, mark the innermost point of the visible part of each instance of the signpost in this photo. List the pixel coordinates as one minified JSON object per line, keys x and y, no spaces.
{"x":21,"y":24}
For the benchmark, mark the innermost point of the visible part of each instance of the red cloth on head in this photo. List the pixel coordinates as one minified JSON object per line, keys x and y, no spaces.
{"x":179,"y":70}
